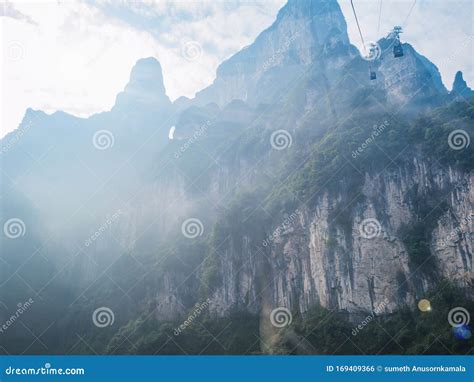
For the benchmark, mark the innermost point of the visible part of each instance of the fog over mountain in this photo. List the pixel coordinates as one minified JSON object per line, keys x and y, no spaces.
{"x":293,"y":182}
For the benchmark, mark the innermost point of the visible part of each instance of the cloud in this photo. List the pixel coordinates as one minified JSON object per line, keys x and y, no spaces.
{"x":71,"y":61}
{"x":219,"y":28}
{"x":8,"y":10}
{"x":80,"y":55}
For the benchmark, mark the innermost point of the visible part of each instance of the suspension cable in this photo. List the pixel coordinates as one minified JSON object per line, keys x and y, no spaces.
{"x":358,"y":27}
{"x":380,"y":15}
{"x":409,"y":13}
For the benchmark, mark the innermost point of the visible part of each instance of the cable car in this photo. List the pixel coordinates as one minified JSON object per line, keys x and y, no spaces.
{"x":397,"y":50}
{"x":397,"y":47}
{"x":373,"y":76}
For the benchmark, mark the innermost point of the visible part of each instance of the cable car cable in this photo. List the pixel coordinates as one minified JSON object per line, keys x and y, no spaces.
{"x":409,"y":14}
{"x":372,"y":74}
{"x":358,"y":27}
{"x":380,"y":15}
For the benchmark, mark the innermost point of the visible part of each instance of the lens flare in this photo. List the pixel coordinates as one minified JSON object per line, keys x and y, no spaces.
{"x":424,"y":305}
{"x":462,"y":332}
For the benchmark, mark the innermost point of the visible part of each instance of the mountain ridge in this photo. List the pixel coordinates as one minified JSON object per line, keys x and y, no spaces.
{"x":146,"y":93}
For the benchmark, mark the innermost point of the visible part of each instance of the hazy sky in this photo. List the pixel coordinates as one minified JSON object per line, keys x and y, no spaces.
{"x":76,"y":56}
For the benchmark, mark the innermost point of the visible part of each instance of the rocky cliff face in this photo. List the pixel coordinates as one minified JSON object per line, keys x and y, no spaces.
{"x":361,"y":263}
{"x":413,"y":79}
{"x":355,"y":270}
{"x":349,"y":252}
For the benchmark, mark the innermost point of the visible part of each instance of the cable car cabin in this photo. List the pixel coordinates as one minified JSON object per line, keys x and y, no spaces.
{"x":373,"y":76}
{"x":397,"y":50}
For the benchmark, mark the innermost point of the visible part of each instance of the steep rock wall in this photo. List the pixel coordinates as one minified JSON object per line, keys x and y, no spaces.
{"x":360,"y":261}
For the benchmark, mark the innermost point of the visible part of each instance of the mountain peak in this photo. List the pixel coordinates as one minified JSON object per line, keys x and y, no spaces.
{"x":145,"y":86}
{"x":305,"y":32}
{"x":323,"y":19}
{"x":459,"y":83}
{"x":458,"y":76}
{"x":460,"y":88}
{"x":147,"y":69}
{"x":308,"y":8}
